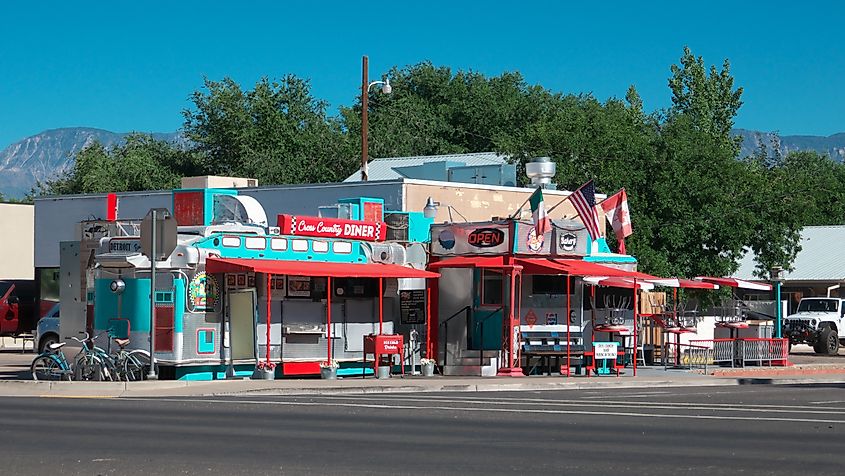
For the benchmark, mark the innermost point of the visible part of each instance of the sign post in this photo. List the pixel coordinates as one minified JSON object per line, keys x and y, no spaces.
{"x":158,"y":240}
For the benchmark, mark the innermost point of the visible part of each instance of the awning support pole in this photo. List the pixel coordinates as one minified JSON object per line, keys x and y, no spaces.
{"x":636,"y":322}
{"x":380,"y":305}
{"x":428,"y":354}
{"x":568,"y":323}
{"x":329,"y":319}
{"x":269,"y":310}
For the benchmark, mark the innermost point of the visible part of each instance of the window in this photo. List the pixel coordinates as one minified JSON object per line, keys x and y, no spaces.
{"x":342,"y":247}
{"x":546,"y":284}
{"x":255,"y":243}
{"x":818,"y":305}
{"x":299,"y":245}
{"x":278,"y":244}
{"x":492,"y":288}
{"x":320,"y":246}
{"x":231,"y":241}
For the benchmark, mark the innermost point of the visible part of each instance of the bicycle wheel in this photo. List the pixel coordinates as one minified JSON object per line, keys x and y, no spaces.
{"x":90,"y":368}
{"x":46,"y":368}
{"x":133,"y":369}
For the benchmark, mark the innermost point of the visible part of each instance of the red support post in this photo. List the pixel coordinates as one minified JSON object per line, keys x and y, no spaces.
{"x":329,"y":318}
{"x":269,"y":310}
{"x":568,"y":323}
{"x":428,"y":353}
{"x":636,"y":320}
{"x":380,"y":304}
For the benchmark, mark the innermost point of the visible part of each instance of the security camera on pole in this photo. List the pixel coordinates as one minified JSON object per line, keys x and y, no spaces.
{"x":158,"y":240}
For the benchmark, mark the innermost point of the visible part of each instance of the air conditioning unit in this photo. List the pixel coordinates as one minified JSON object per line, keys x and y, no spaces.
{"x":398,"y":226}
{"x":387,"y":253}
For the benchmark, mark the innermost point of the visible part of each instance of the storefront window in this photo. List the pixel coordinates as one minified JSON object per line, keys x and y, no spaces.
{"x":255,"y":243}
{"x":278,"y":244}
{"x":299,"y":245}
{"x":342,"y":247}
{"x":492,"y":288}
{"x":231,"y":241}
{"x":545,"y":284}
{"x":320,"y":246}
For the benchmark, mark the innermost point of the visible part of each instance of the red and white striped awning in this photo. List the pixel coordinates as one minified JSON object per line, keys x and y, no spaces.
{"x":736,"y":283}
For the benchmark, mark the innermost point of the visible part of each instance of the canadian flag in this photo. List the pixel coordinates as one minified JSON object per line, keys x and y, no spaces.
{"x":616,"y":210}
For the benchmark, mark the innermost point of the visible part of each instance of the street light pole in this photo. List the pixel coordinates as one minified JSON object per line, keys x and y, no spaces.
{"x":365,"y":101}
{"x":777,"y":278}
{"x":365,"y":89}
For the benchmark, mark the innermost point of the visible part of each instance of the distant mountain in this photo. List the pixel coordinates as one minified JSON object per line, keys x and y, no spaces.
{"x":46,"y":155}
{"x":834,"y":145}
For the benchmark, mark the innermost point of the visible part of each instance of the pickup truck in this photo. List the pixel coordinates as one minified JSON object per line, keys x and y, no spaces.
{"x":819,"y":322}
{"x":17,"y":308}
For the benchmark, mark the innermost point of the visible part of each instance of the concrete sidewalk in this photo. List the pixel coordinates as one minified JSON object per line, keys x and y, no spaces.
{"x":646,"y":378}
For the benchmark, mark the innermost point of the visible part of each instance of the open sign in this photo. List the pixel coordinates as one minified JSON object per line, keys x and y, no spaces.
{"x":486,"y":237}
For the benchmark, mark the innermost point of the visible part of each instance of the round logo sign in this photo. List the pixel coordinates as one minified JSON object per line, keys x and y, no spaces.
{"x":568,"y":241}
{"x":446,"y":239}
{"x":534,"y":242}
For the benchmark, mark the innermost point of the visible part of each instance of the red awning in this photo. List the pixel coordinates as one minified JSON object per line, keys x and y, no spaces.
{"x":736,"y":283}
{"x":314,"y":268}
{"x":469,"y":262}
{"x":538,"y":266}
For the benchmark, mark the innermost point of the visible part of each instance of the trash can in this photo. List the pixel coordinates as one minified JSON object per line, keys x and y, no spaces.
{"x":328,"y":373}
{"x":648,"y":354}
{"x":383,"y":371}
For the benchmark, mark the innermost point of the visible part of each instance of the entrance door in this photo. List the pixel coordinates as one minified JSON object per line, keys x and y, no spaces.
{"x":242,"y":324}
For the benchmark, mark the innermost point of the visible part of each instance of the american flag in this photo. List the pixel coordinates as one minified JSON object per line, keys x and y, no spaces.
{"x":584,"y":200}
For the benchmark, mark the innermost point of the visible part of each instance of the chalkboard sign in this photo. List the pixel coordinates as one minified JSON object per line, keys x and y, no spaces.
{"x":412,"y":306}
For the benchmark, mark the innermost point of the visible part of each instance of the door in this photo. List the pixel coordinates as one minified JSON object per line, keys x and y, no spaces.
{"x":242,"y":313}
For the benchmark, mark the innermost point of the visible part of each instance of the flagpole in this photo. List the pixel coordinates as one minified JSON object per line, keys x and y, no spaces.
{"x":559,"y":203}
{"x":518,"y":210}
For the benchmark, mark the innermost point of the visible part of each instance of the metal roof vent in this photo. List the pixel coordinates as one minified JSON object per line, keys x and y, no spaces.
{"x":540,"y":170}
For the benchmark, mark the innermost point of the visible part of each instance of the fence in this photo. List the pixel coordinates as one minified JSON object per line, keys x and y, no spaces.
{"x":738,"y":351}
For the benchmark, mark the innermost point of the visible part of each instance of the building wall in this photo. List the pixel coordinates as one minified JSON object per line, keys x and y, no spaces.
{"x":482,"y":202}
{"x":57,"y":218}
{"x":17,"y":241}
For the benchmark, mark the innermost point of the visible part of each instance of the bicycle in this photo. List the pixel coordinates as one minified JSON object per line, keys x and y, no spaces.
{"x":92,"y":362}
{"x":130,"y":365}
{"x":51,"y":365}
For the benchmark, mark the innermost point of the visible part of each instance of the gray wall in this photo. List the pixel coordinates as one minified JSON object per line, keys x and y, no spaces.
{"x":56,"y":218}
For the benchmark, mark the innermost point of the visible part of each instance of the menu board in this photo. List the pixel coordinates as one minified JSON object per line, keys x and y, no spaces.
{"x":412,"y":306}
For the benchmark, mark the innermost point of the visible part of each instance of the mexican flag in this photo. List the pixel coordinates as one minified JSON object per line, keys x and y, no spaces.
{"x":542,"y":224}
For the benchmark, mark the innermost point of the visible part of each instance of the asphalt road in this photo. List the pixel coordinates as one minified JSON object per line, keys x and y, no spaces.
{"x":755,"y":429}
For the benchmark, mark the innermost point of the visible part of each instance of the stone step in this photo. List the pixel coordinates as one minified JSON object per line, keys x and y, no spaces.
{"x":470,"y":370}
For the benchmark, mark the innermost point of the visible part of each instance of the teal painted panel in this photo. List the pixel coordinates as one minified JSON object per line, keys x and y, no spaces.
{"x":199,"y":373}
{"x":134,"y":305}
{"x":178,"y":304}
{"x":492,"y":329}
{"x":205,"y":341}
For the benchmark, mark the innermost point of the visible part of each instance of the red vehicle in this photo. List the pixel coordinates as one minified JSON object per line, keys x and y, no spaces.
{"x":17,"y":307}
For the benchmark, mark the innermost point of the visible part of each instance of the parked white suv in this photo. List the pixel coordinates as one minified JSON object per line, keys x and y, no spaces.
{"x":819,"y":323}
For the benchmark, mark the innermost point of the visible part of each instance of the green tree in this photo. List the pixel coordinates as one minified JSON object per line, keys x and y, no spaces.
{"x":138,"y":163}
{"x":277,"y":132}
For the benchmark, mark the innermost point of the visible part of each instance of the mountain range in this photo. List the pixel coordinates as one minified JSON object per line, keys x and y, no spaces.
{"x":48,"y":154}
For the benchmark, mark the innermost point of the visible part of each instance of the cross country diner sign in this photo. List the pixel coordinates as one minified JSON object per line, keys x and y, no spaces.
{"x":320,"y":227}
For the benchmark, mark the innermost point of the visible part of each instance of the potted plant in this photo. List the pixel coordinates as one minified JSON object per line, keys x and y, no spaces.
{"x":427,"y":366}
{"x":328,"y":369}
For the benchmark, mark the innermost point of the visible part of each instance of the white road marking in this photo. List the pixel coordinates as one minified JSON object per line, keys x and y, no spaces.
{"x":494,"y":410}
{"x":591,"y":403}
{"x":828,"y":402}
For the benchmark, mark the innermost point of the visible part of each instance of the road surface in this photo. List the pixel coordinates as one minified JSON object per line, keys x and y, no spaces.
{"x":753,"y":429}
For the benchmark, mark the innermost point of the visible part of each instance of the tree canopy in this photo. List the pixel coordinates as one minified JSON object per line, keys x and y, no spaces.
{"x":696,"y":205}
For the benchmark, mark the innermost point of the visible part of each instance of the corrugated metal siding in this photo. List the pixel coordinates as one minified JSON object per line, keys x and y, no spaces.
{"x":382,"y":169}
{"x":822,"y":256}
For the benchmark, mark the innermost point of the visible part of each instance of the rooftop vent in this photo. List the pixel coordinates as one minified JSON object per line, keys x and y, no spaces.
{"x":540,"y":171}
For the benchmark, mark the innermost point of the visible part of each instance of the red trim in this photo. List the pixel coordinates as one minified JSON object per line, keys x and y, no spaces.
{"x":314,"y":268}
{"x":300,"y":368}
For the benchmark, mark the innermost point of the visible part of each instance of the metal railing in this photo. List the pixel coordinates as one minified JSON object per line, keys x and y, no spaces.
{"x":467,"y":310}
{"x":739,"y":351}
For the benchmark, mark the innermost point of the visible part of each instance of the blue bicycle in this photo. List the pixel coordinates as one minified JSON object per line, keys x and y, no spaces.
{"x":51,"y":364}
{"x":91,"y":363}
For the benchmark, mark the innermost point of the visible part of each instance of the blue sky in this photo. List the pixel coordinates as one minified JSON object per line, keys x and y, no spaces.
{"x":126,"y":66}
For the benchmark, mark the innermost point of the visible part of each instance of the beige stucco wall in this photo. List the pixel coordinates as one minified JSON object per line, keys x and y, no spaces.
{"x":17,"y":241}
{"x":483,"y":202}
